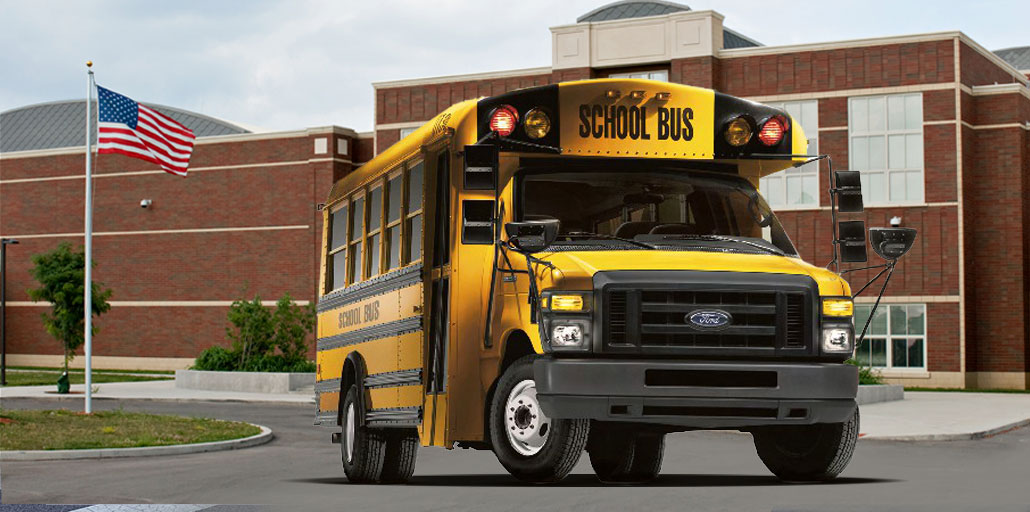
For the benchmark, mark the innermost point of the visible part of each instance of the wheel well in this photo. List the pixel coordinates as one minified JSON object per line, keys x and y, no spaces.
{"x":348,"y":377}
{"x":516,"y":346}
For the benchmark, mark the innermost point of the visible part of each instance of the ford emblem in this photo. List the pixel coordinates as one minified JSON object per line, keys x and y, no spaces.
{"x":709,"y":319}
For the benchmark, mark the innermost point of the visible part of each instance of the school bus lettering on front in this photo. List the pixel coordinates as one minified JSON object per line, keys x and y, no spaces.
{"x":632,"y":122}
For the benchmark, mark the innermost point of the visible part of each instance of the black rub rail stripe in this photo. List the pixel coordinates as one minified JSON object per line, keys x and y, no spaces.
{"x":328,"y":385}
{"x":393,"y":328}
{"x":394,"y":416}
{"x":394,"y":379}
{"x":395,"y":280}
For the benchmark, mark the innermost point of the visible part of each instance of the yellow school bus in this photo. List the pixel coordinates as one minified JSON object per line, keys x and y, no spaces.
{"x":586,"y":266}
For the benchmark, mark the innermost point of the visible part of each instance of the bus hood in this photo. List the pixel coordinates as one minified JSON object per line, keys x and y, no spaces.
{"x":575,"y":270}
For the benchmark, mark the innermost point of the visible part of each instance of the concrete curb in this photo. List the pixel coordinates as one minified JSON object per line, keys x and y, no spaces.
{"x":244,"y":382}
{"x":964,"y":436}
{"x":877,"y":393}
{"x":263,"y":437}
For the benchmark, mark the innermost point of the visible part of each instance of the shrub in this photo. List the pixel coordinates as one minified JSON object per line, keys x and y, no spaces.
{"x":866,"y":374}
{"x":263,"y":340}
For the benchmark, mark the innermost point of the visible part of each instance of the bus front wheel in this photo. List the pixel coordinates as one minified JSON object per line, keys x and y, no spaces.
{"x":623,"y":454}
{"x":808,"y":453}
{"x":530,"y":445}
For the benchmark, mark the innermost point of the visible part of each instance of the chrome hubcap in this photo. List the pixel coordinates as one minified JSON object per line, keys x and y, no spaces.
{"x":526,"y":425}
{"x":348,"y":433}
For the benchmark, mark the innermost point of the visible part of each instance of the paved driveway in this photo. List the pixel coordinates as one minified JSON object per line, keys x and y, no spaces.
{"x":703,"y":471}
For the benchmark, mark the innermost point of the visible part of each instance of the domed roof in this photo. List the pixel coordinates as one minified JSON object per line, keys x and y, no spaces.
{"x":624,"y":9}
{"x":1019,"y":56}
{"x":60,"y":124}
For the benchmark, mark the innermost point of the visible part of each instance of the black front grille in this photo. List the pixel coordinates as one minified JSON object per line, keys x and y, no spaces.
{"x":648,"y":320}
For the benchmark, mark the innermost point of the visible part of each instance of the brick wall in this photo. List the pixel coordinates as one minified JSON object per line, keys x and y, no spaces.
{"x":270,"y":185}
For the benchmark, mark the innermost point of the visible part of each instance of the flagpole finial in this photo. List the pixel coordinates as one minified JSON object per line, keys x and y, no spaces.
{"x":89,"y":63}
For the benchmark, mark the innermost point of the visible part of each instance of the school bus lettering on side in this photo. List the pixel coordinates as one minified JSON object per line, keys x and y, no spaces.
{"x":587,"y":266}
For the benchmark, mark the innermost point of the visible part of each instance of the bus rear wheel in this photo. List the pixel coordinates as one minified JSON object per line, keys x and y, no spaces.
{"x":363,"y":449}
{"x":530,"y":445}
{"x":808,"y":453}
{"x":619,"y":454}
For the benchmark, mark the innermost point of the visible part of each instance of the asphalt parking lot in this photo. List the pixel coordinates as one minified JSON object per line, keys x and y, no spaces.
{"x":702,"y":471}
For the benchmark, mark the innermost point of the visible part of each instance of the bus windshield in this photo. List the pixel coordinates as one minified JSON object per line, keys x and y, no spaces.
{"x":667,"y":209}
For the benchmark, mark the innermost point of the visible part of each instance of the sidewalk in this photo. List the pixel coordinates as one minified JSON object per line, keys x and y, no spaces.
{"x":921,"y":416}
{"x":155,"y":390}
{"x":945,"y":416}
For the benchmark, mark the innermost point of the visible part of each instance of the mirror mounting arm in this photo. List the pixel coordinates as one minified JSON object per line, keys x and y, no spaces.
{"x":889,"y":269}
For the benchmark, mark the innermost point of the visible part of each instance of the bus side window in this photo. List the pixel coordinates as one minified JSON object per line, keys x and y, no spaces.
{"x":375,"y":222}
{"x":357,"y":229}
{"x":413,"y":214}
{"x":394,"y":199}
{"x":337,"y":249}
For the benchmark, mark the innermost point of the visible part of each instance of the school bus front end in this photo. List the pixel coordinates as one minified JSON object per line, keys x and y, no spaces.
{"x":597,"y":270}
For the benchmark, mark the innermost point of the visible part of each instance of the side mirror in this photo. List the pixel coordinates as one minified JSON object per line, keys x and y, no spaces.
{"x":532,"y":236}
{"x":848,"y":187}
{"x":891,"y":243}
{"x":851,"y":240}
{"x":481,"y":164}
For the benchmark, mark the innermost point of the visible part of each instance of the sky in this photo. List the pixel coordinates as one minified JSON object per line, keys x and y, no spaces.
{"x":284,"y":65}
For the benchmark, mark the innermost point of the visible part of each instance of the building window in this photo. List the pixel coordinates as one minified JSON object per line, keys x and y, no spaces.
{"x":797,"y":187}
{"x":338,"y":248}
{"x":407,"y":131}
{"x":886,"y":144}
{"x":654,"y":74}
{"x":896,"y":338}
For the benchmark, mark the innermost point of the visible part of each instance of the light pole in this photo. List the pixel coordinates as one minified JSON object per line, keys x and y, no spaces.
{"x":4,"y":242}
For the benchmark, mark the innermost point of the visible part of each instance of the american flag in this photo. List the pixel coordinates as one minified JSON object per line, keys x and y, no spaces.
{"x":134,"y":130}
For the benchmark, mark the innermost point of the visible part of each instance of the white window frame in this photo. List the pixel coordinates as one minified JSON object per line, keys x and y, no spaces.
{"x":887,"y":133}
{"x":661,"y":75}
{"x":798,"y":174}
{"x":889,"y":338}
{"x":404,"y":132}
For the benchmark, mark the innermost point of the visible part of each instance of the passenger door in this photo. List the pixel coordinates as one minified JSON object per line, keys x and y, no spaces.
{"x":436,"y":257}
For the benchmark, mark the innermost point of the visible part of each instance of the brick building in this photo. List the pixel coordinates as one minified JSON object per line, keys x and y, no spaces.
{"x":939,"y":126}
{"x":244,"y":223}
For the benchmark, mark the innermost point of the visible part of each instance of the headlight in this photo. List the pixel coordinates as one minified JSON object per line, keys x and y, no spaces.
{"x":566,"y":303}
{"x":838,"y":307}
{"x":566,"y":335}
{"x":837,"y":340}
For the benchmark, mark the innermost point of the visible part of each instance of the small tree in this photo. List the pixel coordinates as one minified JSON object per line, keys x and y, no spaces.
{"x":61,"y":274}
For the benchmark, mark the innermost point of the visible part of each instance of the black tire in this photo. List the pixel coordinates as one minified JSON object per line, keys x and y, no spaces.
{"x":565,"y":438}
{"x":809,"y":453}
{"x":647,"y":457}
{"x":365,"y":464}
{"x":401,"y":452}
{"x":622,"y":454}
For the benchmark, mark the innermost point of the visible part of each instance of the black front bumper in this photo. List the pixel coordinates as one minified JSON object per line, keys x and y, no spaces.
{"x":696,"y":394}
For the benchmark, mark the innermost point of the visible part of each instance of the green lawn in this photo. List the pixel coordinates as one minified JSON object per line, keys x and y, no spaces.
{"x":68,"y":430}
{"x":54,"y":369}
{"x":47,"y":377}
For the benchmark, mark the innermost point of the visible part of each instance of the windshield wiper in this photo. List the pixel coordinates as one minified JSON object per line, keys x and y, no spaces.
{"x":587,"y":235}
{"x":720,"y":238}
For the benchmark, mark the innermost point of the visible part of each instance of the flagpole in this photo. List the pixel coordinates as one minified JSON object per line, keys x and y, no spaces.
{"x":89,"y":240}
